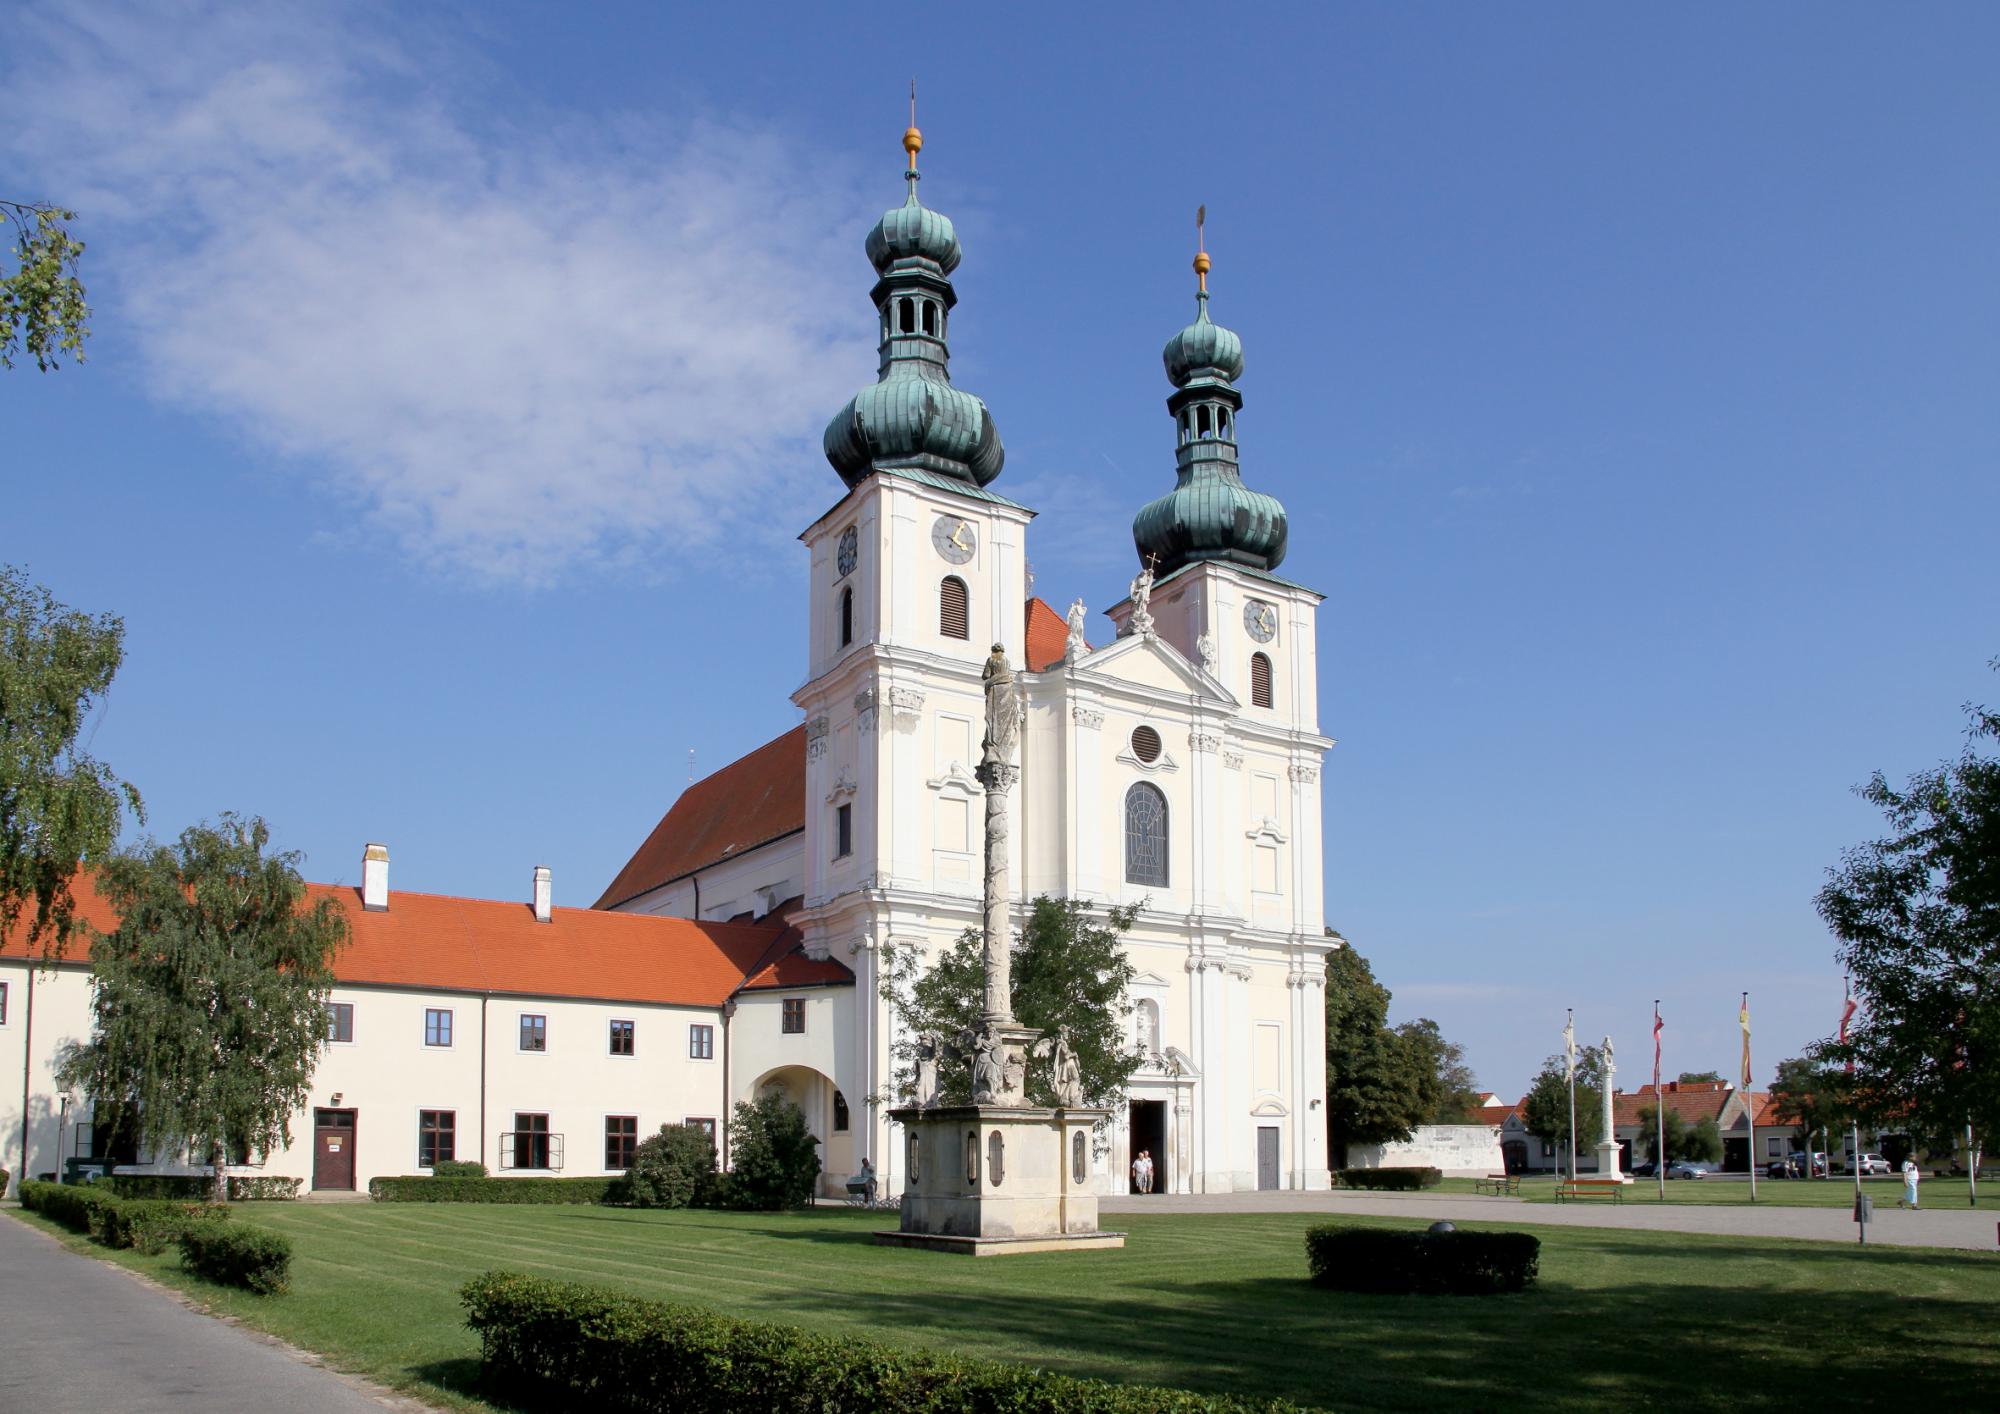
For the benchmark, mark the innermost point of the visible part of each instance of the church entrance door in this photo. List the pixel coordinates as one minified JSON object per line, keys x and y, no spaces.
{"x":1267,"y":1156}
{"x":1149,"y":1133}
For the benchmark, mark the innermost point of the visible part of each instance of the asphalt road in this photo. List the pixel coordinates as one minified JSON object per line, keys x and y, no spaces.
{"x":83,"y":1334}
{"x":1936,"y":1225}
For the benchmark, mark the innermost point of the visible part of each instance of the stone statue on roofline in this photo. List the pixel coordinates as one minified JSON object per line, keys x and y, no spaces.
{"x":1077,"y":645}
{"x":1141,"y":621}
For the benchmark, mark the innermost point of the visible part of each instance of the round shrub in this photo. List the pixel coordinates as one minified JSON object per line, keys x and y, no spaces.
{"x":1396,"y":1261}
{"x":774,"y":1159}
{"x":670,"y":1169}
{"x":458,"y":1168}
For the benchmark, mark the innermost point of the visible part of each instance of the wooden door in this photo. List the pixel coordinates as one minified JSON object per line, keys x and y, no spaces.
{"x":333,"y":1149}
{"x":1267,"y":1156}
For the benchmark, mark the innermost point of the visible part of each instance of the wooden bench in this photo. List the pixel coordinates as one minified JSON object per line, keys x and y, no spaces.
{"x":1571,"y":1189}
{"x":1497,"y":1184}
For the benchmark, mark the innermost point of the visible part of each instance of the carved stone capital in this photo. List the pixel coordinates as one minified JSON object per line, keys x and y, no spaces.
{"x":1202,"y":741}
{"x":816,"y":733}
{"x":1304,"y":775}
{"x":1232,"y":760}
{"x":1086,"y":717}
{"x":995,"y":776}
{"x":906,"y":702}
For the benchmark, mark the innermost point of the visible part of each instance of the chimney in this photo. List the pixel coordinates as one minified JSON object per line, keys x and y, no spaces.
{"x":375,"y":878}
{"x":544,"y":905}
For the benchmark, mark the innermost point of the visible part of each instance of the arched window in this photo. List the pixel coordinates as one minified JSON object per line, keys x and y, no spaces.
{"x":930,"y":317}
{"x":846,"y":617}
{"x":1222,"y":424}
{"x":1185,"y":436}
{"x":1145,"y":835}
{"x":906,"y":316}
{"x":954,"y":610}
{"x":1202,"y":426}
{"x":1260,"y":680}
{"x":840,"y":1120}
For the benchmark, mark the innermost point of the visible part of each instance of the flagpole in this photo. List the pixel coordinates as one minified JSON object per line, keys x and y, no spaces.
{"x":1853,"y":1115}
{"x":1750,"y":1097}
{"x":1659,"y":1110}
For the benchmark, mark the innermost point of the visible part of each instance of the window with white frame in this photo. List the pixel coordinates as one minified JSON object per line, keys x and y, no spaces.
{"x":701,"y":1042}
{"x":437,"y":1026}
{"x":534,"y":1035}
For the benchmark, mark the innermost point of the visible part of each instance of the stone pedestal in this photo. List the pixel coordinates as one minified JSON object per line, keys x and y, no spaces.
{"x":1607,"y":1163}
{"x":988,"y":1180}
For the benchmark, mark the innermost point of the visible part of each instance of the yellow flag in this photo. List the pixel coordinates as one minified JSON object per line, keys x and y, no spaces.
{"x":1743,"y":1018}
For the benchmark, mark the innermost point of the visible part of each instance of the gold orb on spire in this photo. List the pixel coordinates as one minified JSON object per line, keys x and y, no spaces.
{"x":913,"y":142}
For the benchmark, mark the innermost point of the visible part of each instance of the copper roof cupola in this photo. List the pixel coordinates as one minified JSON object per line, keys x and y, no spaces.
{"x":1210,"y":514}
{"x":912,"y":417}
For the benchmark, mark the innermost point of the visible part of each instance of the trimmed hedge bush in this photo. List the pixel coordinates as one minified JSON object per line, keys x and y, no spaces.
{"x":1392,"y":1261}
{"x":554,"y":1345}
{"x":672,"y":1169}
{"x":71,"y":1204}
{"x":458,"y":1168}
{"x":1397,"y":1180}
{"x":243,"y":1187}
{"x":418,"y":1189}
{"x":151,"y":1225}
{"x":250,"y":1257}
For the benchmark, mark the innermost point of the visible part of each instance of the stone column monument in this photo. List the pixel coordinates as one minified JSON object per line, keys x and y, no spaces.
{"x":1607,"y":1146}
{"x":999,"y":1175}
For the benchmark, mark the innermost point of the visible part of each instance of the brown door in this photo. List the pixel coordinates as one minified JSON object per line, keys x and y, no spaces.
{"x":333,"y":1149}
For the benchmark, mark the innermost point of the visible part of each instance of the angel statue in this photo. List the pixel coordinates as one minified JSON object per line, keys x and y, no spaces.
{"x":1141,"y":621}
{"x":1077,"y":645}
{"x":1065,"y":1075}
{"x":930,"y":1049}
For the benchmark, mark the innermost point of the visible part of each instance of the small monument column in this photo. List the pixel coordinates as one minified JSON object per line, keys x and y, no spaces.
{"x":998,"y":1175}
{"x":1607,"y":1146}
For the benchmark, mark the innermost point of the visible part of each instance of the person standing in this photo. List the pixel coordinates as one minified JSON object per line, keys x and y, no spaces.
{"x":1912,"y":1175}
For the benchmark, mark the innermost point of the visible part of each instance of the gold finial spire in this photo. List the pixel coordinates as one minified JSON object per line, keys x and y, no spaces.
{"x":913,"y":140}
{"x":1201,"y":260}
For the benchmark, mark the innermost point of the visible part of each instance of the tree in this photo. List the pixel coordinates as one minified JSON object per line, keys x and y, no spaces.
{"x":1070,"y":973}
{"x":670,"y":1169}
{"x":42,"y":308}
{"x":774,"y":1159}
{"x":1917,"y":913}
{"x":1546,"y":1109}
{"x":1703,"y":1144}
{"x":1380,"y":1083}
{"x":60,"y":808}
{"x":208,"y":1002}
{"x":1812,"y":1095}
{"x":1457,"y":1088}
{"x":1651,"y":1129}
{"x":1699,"y":1077}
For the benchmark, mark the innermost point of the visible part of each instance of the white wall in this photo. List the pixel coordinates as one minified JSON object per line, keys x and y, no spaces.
{"x":1461,"y":1150}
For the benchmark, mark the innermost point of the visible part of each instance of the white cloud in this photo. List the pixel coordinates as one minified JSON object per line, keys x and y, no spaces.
{"x":522,"y":342}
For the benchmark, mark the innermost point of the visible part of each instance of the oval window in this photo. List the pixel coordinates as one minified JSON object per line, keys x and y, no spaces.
{"x":996,"y":1152}
{"x":1146,"y":744}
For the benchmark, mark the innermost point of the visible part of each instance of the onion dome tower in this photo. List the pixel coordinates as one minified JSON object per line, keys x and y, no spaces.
{"x":1210,"y":514}
{"x":912,"y":416}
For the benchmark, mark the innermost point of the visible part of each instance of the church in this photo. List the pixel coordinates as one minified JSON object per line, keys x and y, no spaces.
{"x":1174,"y":767}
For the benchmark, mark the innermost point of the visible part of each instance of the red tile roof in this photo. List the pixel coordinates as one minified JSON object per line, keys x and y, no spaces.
{"x":1692,"y":1101}
{"x":1047,"y":636}
{"x":489,"y":945}
{"x":749,"y":802}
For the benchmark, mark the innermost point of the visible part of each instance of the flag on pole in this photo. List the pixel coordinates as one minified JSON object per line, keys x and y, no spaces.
{"x":1846,"y":1015}
{"x":1657,"y":1027}
{"x":1743,"y":1018}
{"x":1569,"y":1042}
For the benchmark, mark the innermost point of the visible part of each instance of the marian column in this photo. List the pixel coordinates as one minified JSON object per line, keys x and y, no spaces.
{"x":1607,"y":1144}
{"x":997,"y":773}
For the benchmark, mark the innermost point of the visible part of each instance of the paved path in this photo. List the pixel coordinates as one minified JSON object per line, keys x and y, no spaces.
{"x":83,"y":1334}
{"x":1972,"y":1229}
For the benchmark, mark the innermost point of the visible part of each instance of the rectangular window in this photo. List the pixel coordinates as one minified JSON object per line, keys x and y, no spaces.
{"x":534,"y":1034}
{"x":340,"y":1021}
{"x":621,"y":1038}
{"x":795,"y":1016}
{"x":706,"y":1126}
{"x":621,"y":1137}
{"x":1774,"y":1146}
{"x":437,"y":1136}
{"x":840,"y":1117}
{"x":843,"y":831}
{"x":531,"y":1141}
{"x":437,"y":1026}
{"x":701,"y":1042}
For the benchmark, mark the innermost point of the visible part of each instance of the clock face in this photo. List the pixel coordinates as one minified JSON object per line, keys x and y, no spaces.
{"x":1261,"y":620}
{"x":849,"y":552}
{"x":955,"y":539}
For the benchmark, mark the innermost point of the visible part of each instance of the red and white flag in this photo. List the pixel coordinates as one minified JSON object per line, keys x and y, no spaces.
{"x":1657,"y":1026}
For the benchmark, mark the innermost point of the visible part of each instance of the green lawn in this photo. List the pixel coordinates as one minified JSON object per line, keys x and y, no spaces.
{"x":1835,"y":1192}
{"x":1619,"y":1319}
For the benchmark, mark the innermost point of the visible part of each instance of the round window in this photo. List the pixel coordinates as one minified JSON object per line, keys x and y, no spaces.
{"x":1146,"y":744}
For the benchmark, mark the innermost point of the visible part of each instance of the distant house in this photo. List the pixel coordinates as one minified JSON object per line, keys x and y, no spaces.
{"x":1528,"y":1152}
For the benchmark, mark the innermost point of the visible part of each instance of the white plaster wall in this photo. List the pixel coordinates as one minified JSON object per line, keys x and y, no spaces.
{"x":61,"y":1013}
{"x":1460,"y":1150}
{"x":747,"y":883}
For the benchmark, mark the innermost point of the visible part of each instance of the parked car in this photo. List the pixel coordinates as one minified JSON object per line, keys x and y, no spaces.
{"x":1645,"y":1168}
{"x":1682,"y":1168}
{"x":1871,"y":1164}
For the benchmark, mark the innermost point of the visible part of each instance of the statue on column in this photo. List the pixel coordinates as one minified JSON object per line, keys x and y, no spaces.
{"x":1003,"y":711}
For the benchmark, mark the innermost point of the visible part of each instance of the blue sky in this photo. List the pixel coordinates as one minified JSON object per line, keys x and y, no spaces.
{"x":458,"y":374}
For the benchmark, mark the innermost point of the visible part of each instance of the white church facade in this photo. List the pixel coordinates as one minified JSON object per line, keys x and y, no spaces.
{"x":1174,"y":767}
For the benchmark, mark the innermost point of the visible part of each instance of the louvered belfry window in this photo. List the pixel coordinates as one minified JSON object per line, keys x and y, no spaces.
{"x":954,"y":612}
{"x":1145,"y":835}
{"x":1260,"y":680}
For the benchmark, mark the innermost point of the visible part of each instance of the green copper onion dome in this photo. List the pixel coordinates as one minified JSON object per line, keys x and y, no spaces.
{"x":1210,"y":514}
{"x":912,"y":416}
